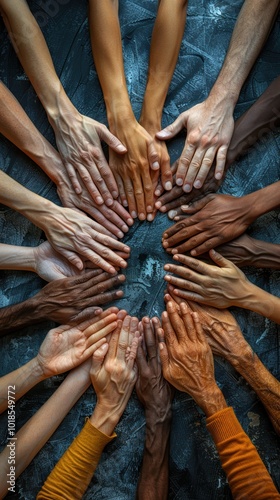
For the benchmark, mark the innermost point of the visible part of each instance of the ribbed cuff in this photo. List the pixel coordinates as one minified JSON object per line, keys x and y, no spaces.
{"x":223,"y":425}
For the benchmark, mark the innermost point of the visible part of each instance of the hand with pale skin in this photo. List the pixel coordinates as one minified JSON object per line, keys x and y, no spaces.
{"x":114,"y":373}
{"x":211,"y":221}
{"x":186,"y":358}
{"x":209,"y":128}
{"x":63,"y":349}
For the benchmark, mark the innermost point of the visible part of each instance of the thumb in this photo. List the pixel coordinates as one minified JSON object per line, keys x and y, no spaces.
{"x":172,"y":129}
{"x":112,"y":141}
{"x":73,"y":258}
{"x":196,"y":205}
{"x":98,"y":357}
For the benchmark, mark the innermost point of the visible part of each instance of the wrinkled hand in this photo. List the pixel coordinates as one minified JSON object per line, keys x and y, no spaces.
{"x":113,"y":374}
{"x":172,"y":201}
{"x":64,"y":348}
{"x":133,"y":170}
{"x":78,"y":141}
{"x":152,"y":389}
{"x":115,"y":218}
{"x":209,"y":130}
{"x":76,"y":237}
{"x":186,"y":357}
{"x":71,"y":300}
{"x":212,"y":221}
{"x":241,"y":251}
{"x":222,"y":286}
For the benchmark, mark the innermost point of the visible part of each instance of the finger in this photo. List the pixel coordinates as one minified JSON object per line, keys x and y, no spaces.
{"x":72,"y":257}
{"x":176,"y":321}
{"x":98,"y":325}
{"x":73,"y":177}
{"x":122,"y":314}
{"x":123,"y":339}
{"x":169,"y":333}
{"x":122,"y":195}
{"x":184,"y":163}
{"x":112,"y":141}
{"x":166,"y":175}
{"x":190,"y":327}
{"x":150,"y":339}
{"x":220,"y":162}
{"x":130,"y":197}
{"x":98,"y":358}
{"x":189,"y":295}
{"x":199,"y":330}
{"x":105,"y":180}
{"x":139,"y":196}
{"x":114,"y":341}
{"x":142,"y":361}
{"x":197,"y":205}
{"x":133,"y":352}
{"x":220,"y":260}
{"x":163,"y":351}
{"x":205,"y":166}
{"x":101,"y":333}
{"x":193,"y":168}
{"x":172,"y":129}
{"x":123,"y":214}
{"x":198,"y":245}
{"x":86,"y":176}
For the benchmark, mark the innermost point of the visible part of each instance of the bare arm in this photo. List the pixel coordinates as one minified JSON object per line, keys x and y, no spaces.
{"x":77,"y":136}
{"x":210,"y":124}
{"x":132,"y":170}
{"x":165,"y":45}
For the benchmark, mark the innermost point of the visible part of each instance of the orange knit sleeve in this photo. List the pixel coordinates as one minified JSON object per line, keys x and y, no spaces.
{"x":247,"y":476}
{"x":72,"y":474}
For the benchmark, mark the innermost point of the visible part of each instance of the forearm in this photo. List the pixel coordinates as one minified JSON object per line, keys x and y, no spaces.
{"x":264,"y":200}
{"x":34,"y":56}
{"x":18,"y":316}
{"x":39,"y":428}
{"x":249,"y":35}
{"x":261,"y":380}
{"x":17,"y":257}
{"x":19,"y":382}
{"x":108,"y":57}
{"x":246,"y":473}
{"x":72,"y":474}
{"x":165,"y":45}
{"x":261,"y":118}
{"x":153,"y":480}
{"x":261,"y":302}
{"x":265,"y":254}
{"x":34,"y":207}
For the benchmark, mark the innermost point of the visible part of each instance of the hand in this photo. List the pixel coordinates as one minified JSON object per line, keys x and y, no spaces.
{"x":64,"y":348}
{"x":217,"y":218}
{"x":72,"y":300}
{"x":115,"y":218}
{"x":164,"y":160}
{"x":209,"y":130}
{"x":113,"y":373}
{"x":152,"y":389}
{"x":172,"y":201}
{"x":78,"y":141}
{"x":241,"y":251}
{"x":222,"y":286}
{"x":186,"y":358}
{"x":132,"y":170}
{"x":76,"y":237}
{"x":50,"y":265}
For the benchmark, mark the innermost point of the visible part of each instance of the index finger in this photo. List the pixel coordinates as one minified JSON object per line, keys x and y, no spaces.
{"x":150,"y":339}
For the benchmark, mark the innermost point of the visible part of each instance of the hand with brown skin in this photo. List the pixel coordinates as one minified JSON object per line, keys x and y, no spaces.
{"x":211,"y":221}
{"x":226,"y":340}
{"x":186,"y":358}
{"x":65,"y":301}
{"x":223,"y":285}
{"x":172,"y":201}
{"x":155,"y":394}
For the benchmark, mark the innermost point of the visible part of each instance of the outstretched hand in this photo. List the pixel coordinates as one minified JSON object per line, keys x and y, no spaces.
{"x":209,"y":127}
{"x":64,"y":347}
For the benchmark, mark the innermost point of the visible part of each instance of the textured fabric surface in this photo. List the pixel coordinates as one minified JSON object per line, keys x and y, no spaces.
{"x":195,"y":470}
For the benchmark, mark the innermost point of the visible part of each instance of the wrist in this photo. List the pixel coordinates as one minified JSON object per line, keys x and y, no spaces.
{"x":105,"y":418}
{"x":120,"y":113}
{"x":158,"y":415}
{"x":37,"y":369}
{"x":60,"y":107}
{"x":211,"y":401}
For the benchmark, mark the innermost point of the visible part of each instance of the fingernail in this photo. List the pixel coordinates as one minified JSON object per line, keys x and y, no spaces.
{"x":109,"y":202}
{"x":119,"y":293}
{"x":111,"y":270}
{"x":179,"y":182}
{"x":168,"y":186}
{"x":187,"y":188}
{"x":184,"y":207}
{"x":133,"y":214}
{"x":172,"y":214}
{"x":141,"y":216}
{"x":130,"y":221}
{"x":121,"y":148}
{"x":149,"y":208}
{"x":120,"y":234}
{"x":123,"y":263}
{"x":126,"y":249}
{"x":197,"y":184}
{"x":150,"y":217}
{"x":155,"y":165}
{"x":125,"y":204}
{"x":158,"y":204}
{"x":114,"y":194}
{"x":157,"y":192}
{"x":125,"y":228}
{"x":163,"y":209}
{"x":218,"y":176}
{"x":99,"y":200}
{"x":163,"y":133}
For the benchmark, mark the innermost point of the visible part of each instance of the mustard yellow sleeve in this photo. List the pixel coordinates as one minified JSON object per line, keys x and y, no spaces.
{"x":246,"y":473}
{"x":72,"y":474}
